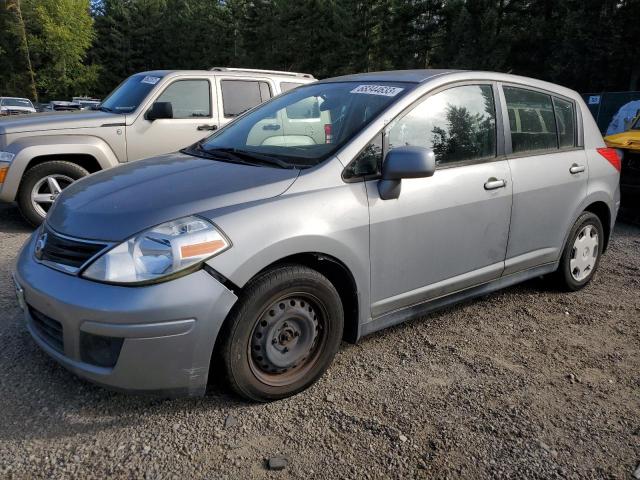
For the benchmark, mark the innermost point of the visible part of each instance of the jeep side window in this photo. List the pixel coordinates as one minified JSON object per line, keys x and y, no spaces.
{"x":286,"y":86}
{"x":238,"y":96}
{"x":189,"y":98}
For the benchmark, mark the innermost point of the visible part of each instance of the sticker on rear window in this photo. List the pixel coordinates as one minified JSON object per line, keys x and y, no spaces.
{"x":377,"y":90}
{"x":150,"y":80}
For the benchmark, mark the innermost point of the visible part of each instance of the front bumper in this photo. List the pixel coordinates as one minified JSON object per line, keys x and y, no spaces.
{"x":168,"y":329}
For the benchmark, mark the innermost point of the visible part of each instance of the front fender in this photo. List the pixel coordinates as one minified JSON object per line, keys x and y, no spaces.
{"x":333,"y":222}
{"x":28,"y":148}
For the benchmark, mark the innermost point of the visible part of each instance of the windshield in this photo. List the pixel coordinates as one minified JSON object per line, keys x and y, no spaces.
{"x":308,"y":124}
{"x":16,"y":102}
{"x":130,"y":93}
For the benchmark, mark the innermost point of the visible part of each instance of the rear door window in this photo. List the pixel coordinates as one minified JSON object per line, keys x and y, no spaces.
{"x":238,"y":96}
{"x":286,"y":86}
{"x":536,"y":129}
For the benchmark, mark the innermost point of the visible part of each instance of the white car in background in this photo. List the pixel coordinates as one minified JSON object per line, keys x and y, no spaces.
{"x":15,"y":106}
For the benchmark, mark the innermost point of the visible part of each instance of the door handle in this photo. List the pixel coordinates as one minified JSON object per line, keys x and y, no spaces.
{"x":207,"y":127}
{"x":494,"y":183}
{"x":575,"y":168}
{"x":272,"y":126}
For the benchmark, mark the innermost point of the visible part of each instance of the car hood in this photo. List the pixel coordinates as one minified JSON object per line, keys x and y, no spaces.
{"x":57,"y":121}
{"x":115,"y":204}
{"x":629,"y":140}
{"x":17,"y":108}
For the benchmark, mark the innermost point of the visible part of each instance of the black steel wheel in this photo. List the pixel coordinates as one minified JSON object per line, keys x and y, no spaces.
{"x":283,"y":334}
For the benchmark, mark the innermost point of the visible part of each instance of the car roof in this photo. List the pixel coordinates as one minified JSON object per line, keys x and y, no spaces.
{"x":424,"y":76}
{"x":412,"y":76}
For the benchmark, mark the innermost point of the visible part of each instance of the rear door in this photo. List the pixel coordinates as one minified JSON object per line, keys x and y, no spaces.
{"x":549,"y":170}
{"x":450,"y":231}
{"x":194,"y":117}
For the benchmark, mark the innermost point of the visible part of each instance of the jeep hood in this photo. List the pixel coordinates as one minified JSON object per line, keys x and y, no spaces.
{"x":114,"y":204}
{"x":51,"y":121}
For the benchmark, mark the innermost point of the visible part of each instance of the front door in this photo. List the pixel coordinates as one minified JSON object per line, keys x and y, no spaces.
{"x":450,"y":231}
{"x":193,"y":119}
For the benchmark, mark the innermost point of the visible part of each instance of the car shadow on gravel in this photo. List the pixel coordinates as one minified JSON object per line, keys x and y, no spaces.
{"x":11,"y":221}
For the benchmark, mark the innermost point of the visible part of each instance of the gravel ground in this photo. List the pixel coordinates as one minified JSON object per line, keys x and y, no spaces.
{"x":525,"y":383}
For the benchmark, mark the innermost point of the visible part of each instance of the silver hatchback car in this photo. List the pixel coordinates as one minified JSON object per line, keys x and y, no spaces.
{"x":329,"y":212}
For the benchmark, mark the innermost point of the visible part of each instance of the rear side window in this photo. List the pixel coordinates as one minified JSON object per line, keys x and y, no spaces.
{"x":286,"y":86}
{"x":238,"y":96}
{"x":565,"y":115}
{"x":458,"y":124}
{"x":189,"y":98}
{"x":533,"y":116}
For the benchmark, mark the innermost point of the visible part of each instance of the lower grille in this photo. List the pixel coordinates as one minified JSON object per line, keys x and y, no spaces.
{"x":48,"y":329}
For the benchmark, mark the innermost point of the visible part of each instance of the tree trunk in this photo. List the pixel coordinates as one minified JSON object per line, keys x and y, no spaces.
{"x":25,"y":47}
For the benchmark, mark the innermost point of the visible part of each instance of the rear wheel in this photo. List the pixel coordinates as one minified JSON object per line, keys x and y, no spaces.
{"x":582,"y":252}
{"x":283,"y":334}
{"x":42,"y":184}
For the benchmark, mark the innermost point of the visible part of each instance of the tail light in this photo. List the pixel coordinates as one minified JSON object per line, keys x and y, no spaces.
{"x":328,"y":133}
{"x":611,"y":154}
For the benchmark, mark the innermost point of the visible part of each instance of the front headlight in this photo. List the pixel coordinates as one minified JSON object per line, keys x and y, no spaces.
{"x":159,"y":252}
{"x":6,"y":157}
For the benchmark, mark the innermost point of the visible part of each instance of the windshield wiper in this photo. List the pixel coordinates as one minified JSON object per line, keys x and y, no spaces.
{"x":197,"y":151}
{"x":104,"y":109}
{"x":252,"y":157}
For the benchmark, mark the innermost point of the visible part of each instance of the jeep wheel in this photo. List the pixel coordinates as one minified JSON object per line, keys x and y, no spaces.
{"x":283,"y":334}
{"x":42,"y":184}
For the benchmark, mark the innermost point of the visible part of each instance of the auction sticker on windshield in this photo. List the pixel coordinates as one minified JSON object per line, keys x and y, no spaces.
{"x":150,"y":80}
{"x":377,"y":90}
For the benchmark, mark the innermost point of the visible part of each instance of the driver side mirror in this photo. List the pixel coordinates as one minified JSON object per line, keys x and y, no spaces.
{"x":159,"y":110}
{"x":404,"y":162}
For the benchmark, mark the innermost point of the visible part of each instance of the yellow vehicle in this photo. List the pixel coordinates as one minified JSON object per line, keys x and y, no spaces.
{"x":628,"y":145}
{"x":629,"y":140}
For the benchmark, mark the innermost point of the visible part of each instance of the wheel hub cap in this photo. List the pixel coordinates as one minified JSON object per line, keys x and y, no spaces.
{"x":584,"y":253}
{"x":46,"y":190}
{"x":284,"y":335}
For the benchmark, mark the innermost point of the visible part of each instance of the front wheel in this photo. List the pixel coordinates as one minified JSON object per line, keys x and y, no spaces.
{"x":581,"y":254}
{"x":283,"y":334}
{"x":42,"y":184}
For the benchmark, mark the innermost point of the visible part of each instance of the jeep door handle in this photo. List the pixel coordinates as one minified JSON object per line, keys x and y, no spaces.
{"x":207,"y":127}
{"x":575,"y":168}
{"x":272,"y":126}
{"x":494,"y":183}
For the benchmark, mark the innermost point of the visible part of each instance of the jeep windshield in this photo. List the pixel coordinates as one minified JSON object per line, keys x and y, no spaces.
{"x":304,"y":126}
{"x":16,"y":102}
{"x":130,"y":93}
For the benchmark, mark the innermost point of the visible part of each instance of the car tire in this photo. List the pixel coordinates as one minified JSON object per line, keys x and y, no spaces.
{"x":581,"y":254}
{"x":282,"y":334}
{"x":36,"y":178}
